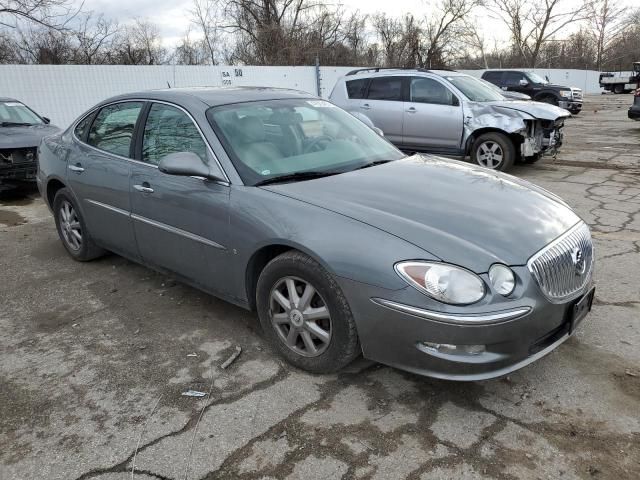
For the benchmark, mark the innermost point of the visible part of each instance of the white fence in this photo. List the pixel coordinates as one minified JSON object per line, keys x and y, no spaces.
{"x":62,"y":92}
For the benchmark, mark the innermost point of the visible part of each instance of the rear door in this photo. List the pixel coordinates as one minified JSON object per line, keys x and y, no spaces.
{"x":384,"y":105}
{"x":433,"y":117}
{"x":180,"y":222}
{"x":98,"y":174}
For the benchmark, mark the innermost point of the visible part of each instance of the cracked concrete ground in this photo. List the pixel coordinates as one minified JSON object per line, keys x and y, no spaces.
{"x":94,"y":357}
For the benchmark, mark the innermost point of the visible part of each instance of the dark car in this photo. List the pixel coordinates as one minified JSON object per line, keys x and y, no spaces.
{"x":538,"y":88}
{"x":285,"y":204}
{"x":21,"y":131}
{"x":634,"y":110}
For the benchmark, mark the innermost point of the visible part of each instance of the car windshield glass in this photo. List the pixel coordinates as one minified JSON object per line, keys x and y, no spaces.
{"x":16,"y":112}
{"x":474,"y":89}
{"x":278,"y":138}
{"x":535,"y":78}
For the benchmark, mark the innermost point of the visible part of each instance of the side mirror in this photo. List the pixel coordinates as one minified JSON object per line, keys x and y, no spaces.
{"x":546,"y":77}
{"x":378,"y":131}
{"x":188,"y":164}
{"x":46,"y":120}
{"x":523,"y":83}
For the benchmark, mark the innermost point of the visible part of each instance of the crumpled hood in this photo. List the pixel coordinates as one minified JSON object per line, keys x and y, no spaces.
{"x":458,"y":213}
{"x":25,"y":137}
{"x":541,"y":110}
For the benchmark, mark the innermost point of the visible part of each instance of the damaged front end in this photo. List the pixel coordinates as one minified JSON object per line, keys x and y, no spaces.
{"x":534,"y":128}
{"x":18,"y":163}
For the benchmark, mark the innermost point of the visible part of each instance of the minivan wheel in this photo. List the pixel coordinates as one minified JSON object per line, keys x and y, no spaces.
{"x":493,"y":150}
{"x":71,"y":228}
{"x":305,"y":315}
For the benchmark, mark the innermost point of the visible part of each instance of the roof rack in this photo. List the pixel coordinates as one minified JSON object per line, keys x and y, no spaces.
{"x":417,"y":69}
{"x":377,"y":69}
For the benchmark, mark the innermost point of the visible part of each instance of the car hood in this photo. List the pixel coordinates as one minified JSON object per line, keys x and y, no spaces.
{"x":540,"y":110}
{"x":25,"y":137}
{"x":458,"y":213}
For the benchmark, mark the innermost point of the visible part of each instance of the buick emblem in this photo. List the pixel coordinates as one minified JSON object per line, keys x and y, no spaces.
{"x":578,"y":261}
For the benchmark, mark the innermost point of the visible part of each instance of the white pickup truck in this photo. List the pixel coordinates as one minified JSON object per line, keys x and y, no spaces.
{"x":621,"y":83}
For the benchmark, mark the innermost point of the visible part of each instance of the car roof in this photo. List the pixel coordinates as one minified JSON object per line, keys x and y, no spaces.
{"x":383,"y":72}
{"x":214,"y":96}
{"x":8,"y":99}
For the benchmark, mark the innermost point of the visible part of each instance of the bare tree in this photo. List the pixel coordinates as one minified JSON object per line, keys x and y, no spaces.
{"x":138,"y":44}
{"x":533,"y":23}
{"x":94,"y":37}
{"x":400,"y":40}
{"x":206,"y":16}
{"x":48,"y":13}
{"x":607,"y":22}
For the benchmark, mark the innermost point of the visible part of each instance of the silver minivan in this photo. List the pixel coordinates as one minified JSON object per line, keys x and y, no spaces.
{"x":447,"y":112}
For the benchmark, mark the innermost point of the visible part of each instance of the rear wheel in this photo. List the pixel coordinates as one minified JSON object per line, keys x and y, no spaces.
{"x":618,"y":89}
{"x":493,"y":150}
{"x":72,"y":229}
{"x":305,"y":315}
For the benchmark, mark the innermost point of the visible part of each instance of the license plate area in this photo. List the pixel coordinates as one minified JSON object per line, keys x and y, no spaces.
{"x":580,"y":309}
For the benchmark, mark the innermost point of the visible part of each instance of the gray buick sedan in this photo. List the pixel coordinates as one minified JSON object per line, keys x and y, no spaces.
{"x":282,"y":203}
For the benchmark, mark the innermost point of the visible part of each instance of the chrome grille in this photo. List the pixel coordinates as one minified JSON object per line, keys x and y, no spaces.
{"x":564,"y":267}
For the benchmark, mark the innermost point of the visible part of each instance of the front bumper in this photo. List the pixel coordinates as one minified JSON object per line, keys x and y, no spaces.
{"x":513,"y":333}
{"x":21,"y":171}
{"x":634,"y":112}
{"x":572,"y":105}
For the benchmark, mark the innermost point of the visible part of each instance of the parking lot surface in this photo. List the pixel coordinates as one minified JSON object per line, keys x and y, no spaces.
{"x":94,"y":359}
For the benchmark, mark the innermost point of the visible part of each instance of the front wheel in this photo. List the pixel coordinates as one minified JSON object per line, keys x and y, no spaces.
{"x":493,"y":150}
{"x":305,"y":315}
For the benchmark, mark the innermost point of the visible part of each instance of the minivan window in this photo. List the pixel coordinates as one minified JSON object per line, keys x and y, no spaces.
{"x":357,"y":88}
{"x":427,"y":90}
{"x":170,"y":130}
{"x":113,"y":127}
{"x":474,"y":89}
{"x":385,"y":88}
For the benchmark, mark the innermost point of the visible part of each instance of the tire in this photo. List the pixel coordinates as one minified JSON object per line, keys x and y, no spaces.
{"x":298,"y":271}
{"x":488,"y":147}
{"x":618,"y":89}
{"x":70,"y":225}
{"x":550,"y":99}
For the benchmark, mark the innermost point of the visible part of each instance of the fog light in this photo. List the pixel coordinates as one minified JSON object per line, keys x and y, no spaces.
{"x":450,"y":349}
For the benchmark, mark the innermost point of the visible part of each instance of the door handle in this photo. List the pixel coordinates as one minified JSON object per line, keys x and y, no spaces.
{"x":144,"y":188}
{"x":411,"y":110}
{"x":77,"y":168}
{"x":365,"y":106}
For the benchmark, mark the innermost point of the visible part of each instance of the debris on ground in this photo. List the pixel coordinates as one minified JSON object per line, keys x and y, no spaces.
{"x":630,"y":373}
{"x":232,"y":358}
{"x":194,"y":393}
{"x":192,"y":354}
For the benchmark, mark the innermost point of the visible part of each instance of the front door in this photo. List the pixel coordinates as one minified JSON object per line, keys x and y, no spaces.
{"x":98,"y":173}
{"x":384,"y":106}
{"x":433,"y":117}
{"x":180,"y":222}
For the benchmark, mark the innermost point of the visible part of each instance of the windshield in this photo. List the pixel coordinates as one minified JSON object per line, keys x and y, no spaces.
{"x":474,"y":89}
{"x":279,"y":138}
{"x":535,"y":78}
{"x":16,"y":112}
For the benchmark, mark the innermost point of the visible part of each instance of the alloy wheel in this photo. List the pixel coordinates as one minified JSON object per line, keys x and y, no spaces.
{"x":300,"y":316}
{"x":70,"y":226}
{"x":490,"y":154}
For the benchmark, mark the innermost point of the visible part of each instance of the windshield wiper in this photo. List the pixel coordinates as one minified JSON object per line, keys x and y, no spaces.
{"x":373,"y":164}
{"x":15,"y":124}
{"x":292,"y":177}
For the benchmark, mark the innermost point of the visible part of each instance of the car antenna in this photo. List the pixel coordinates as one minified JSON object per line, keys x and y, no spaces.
{"x":168,"y":84}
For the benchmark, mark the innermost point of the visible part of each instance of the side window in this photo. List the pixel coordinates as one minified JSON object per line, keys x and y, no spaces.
{"x":82,"y":127}
{"x":357,"y":88}
{"x":427,"y":90}
{"x":493,"y":77}
{"x":113,"y":127}
{"x":170,"y":130}
{"x":512,"y":79}
{"x":385,"y":88}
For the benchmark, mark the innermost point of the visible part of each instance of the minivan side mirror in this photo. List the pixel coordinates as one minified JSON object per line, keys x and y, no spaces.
{"x":523,"y":82}
{"x":188,"y":164}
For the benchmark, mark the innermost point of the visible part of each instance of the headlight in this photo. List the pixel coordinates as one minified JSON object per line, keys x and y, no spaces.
{"x":502,"y":279}
{"x":446,"y":283}
{"x":565,"y":93}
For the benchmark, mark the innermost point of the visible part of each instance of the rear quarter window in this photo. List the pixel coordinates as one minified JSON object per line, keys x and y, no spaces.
{"x":357,"y":88}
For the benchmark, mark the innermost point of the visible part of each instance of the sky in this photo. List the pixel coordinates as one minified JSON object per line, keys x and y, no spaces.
{"x":172,"y":16}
